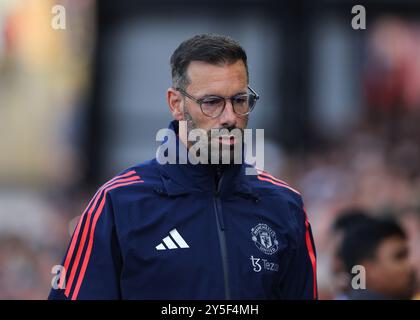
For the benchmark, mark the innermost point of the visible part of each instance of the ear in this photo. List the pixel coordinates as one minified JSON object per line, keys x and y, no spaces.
{"x":373,"y":271}
{"x":174,"y":100}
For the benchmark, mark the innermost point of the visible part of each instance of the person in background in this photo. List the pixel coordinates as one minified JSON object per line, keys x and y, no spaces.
{"x":381,"y":248}
{"x":346,"y":220}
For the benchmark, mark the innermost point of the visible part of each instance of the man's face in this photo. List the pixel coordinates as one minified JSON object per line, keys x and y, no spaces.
{"x":225,"y":80}
{"x":390,"y":272}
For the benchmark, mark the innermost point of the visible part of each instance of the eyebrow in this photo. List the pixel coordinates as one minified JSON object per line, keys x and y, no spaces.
{"x":217,"y":96}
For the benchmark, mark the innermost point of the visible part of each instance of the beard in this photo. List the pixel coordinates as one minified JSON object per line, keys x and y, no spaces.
{"x":225,"y":145}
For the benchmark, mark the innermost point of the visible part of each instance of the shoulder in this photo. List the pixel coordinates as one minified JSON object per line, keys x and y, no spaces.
{"x":144,"y":176}
{"x":266,"y":184}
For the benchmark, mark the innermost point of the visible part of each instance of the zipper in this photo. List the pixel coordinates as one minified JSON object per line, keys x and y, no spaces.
{"x":221,"y":234}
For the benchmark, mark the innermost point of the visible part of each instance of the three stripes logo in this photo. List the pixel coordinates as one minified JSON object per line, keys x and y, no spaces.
{"x":173,"y":241}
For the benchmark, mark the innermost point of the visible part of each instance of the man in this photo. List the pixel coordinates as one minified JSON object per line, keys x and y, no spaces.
{"x":195,"y":231}
{"x":346,"y":220}
{"x":380,"y":246}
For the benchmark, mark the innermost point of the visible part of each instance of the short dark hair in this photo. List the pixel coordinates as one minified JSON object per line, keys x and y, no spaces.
{"x":349,"y":218}
{"x":211,"y":48}
{"x":362,"y":242}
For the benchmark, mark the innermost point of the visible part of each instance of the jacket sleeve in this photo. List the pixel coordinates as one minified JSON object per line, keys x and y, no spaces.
{"x":300,"y":280}
{"x":92,"y":264}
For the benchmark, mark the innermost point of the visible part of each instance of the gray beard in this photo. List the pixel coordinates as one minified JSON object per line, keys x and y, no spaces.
{"x":191,"y":125}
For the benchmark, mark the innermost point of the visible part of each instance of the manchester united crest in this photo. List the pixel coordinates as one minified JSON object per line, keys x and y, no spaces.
{"x":265,"y":238}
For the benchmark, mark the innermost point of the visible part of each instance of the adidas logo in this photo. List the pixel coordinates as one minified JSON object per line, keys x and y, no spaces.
{"x":172,"y":241}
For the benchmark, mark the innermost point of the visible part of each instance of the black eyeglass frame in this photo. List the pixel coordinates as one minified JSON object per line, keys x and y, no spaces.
{"x":201,"y":101}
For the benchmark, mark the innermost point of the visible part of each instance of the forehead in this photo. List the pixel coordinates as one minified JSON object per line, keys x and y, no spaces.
{"x":223,"y":79}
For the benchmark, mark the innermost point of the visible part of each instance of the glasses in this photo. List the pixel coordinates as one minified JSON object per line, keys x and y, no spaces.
{"x":213,"y":106}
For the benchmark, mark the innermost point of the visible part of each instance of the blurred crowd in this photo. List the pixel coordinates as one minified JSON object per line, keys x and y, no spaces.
{"x":364,"y":172}
{"x":375,"y":168}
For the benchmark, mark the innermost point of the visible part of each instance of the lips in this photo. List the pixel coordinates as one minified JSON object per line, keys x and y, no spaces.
{"x":227,"y":140}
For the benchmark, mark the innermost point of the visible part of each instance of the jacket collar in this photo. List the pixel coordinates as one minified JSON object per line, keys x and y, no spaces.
{"x":183,"y":177}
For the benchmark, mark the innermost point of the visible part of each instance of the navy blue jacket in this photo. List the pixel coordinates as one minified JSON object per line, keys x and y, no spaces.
{"x":171,"y":231}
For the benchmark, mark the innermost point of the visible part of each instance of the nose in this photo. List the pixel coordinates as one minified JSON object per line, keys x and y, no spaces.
{"x":228,"y":117}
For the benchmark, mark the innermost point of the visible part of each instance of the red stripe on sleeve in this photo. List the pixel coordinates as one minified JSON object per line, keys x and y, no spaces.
{"x":265,"y":173}
{"x":91,"y":236}
{"x":311,"y":252}
{"x":277,"y":183}
{"x":76,"y":232}
{"x":85,"y":232}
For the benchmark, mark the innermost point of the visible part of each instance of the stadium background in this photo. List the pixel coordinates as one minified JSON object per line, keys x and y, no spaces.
{"x":340,"y":108}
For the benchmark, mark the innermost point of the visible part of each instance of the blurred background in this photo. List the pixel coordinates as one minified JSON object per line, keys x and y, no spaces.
{"x":340,"y":108}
